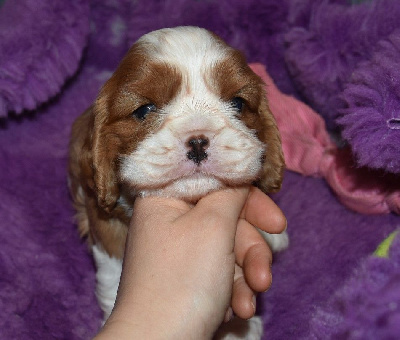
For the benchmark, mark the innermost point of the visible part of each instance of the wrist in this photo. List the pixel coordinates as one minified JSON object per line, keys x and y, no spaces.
{"x":154,"y":322}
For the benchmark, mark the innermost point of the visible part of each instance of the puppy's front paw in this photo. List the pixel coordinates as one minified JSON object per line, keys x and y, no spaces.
{"x":239,"y":329}
{"x":277,"y":242}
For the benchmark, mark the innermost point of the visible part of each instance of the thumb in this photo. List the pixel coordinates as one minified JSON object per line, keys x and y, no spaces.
{"x":224,"y":205}
{"x":156,"y":207}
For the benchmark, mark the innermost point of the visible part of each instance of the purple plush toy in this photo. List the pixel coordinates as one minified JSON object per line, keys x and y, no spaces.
{"x":340,"y":58}
{"x":345,"y":62}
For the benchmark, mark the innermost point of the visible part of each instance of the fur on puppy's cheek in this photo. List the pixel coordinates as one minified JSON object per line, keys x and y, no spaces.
{"x":160,"y":164}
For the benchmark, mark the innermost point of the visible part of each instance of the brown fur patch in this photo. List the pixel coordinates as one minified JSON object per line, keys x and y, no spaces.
{"x":107,"y":131}
{"x":234,"y":78}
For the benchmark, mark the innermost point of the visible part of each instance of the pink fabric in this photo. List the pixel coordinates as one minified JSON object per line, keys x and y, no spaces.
{"x":309,"y":150}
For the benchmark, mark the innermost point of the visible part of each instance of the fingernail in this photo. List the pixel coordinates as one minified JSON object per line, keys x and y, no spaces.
{"x":254,"y":303}
{"x":228,"y":315}
{"x":270,"y":273}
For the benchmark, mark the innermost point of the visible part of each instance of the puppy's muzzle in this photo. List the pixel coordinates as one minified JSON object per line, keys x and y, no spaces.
{"x":197,"y":148}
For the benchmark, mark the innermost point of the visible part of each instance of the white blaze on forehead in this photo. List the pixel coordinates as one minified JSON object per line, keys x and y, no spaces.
{"x":182,"y":44}
{"x":191,"y":50}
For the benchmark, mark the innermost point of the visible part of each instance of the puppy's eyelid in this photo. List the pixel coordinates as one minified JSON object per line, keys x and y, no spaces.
{"x":237,"y":103}
{"x":142,"y":111}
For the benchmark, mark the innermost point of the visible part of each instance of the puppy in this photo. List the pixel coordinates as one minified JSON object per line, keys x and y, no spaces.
{"x":183,"y":115}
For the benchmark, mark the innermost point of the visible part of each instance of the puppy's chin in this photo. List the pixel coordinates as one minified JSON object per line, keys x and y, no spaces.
{"x":190,"y":188}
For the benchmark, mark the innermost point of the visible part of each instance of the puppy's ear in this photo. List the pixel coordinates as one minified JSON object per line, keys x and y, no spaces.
{"x":273,"y":162}
{"x":104,"y":147}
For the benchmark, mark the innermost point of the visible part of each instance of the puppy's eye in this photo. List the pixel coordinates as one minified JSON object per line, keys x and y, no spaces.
{"x":237,"y":103}
{"x":143,"y":111}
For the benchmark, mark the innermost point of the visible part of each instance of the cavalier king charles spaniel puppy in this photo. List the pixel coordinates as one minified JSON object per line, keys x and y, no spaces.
{"x":183,"y":115}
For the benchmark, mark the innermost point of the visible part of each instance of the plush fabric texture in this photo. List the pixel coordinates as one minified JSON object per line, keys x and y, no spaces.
{"x":54,"y":57}
{"x":374,"y":285}
{"x":343,"y":60}
{"x":371,"y":119}
{"x":41,"y":44}
{"x":309,"y":150}
{"x":326,"y":47}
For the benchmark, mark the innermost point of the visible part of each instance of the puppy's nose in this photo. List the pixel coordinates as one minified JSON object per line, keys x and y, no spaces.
{"x":197,"y":148}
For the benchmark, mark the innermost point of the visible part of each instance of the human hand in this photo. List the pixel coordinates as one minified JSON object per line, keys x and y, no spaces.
{"x":184,"y":266}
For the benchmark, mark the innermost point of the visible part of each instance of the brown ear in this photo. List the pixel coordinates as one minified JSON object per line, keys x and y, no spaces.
{"x":273,"y":163}
{"x":104,"y":147}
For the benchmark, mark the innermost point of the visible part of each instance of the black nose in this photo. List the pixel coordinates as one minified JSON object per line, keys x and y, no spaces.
{"x":197,"y":148}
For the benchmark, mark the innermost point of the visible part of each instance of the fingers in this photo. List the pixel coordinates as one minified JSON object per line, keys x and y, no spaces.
{"x":252,"y":269}
{"x":263,"y":213}
{"x":243,"y":298}
{"x":254,"y":256}
{"x":155,"y":207}
{"x":224,"y":205}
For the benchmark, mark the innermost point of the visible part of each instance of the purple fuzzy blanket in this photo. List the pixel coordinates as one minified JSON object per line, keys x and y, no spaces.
{"x":54,"y":56}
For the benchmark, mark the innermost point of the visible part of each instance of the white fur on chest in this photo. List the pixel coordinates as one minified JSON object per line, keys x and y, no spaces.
{"x":108,"y":273}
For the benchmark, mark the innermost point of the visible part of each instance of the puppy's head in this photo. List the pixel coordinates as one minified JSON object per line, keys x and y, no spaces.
{"x":183,"y":115}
